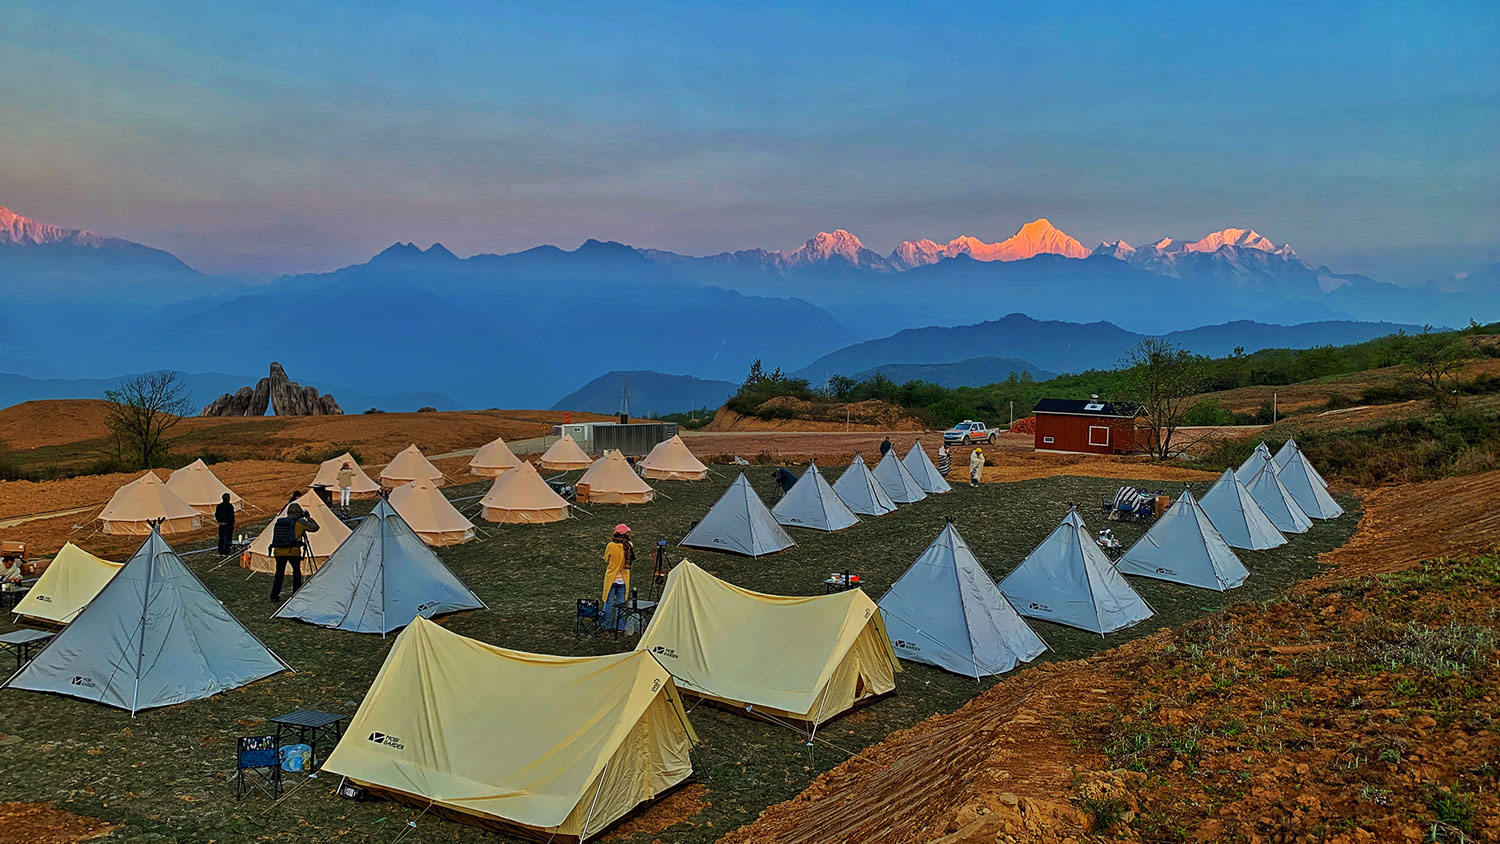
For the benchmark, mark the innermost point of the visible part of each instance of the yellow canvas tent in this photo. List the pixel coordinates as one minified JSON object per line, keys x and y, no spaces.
{"x":611,"y":481}
{"x":430,"y":514}
{"x":493,"y":459}
{"x":328,"y":476}
{"x":67,"y":585}
{"x":565,"y":456}
{"x":546,"y":747}
{"x":409,"y":465}
{"x":522,"y":497}
{"x":671,"y":460}
{"x":330,"y":533}
{"x":804,"y":659}
{"x":201,"y":489}
{"x":135,"y":505}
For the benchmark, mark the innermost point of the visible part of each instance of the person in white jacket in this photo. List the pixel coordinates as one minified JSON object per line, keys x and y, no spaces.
{"x":976,"y":466}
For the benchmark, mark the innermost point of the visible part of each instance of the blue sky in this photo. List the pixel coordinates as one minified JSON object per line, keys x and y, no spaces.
{"x":304,"y":135}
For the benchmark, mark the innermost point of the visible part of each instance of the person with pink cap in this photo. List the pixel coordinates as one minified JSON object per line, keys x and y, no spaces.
{"x":618,"y":556}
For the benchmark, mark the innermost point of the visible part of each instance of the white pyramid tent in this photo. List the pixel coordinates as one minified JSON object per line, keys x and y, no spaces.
{"x":1285,"y":453}
{"x":200,"y":488}
{"x":922,"y":469}
{"x":812,"y":503}
{"x":1258,"y":458}
{"x":382,"y":577}
{"x":859,"y":489}
{"x":1277,"y":503}
{"x":1307,"y":488}
{"x":1067,"y":579}
{"x":1184,"y":547}
{"x":896,"y":480}
{"x":946,"y":611}
{"x":493,"y":459}
{"x":740,"y":524}
{"x":1238,"y":518}
{"x":153,"y":636}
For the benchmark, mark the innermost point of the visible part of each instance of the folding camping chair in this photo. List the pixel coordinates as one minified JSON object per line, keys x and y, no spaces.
{"x":589,"y":619}
{"x":258,"y":766}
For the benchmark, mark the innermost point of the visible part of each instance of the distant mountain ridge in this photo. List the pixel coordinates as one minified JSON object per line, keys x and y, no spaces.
{"x":971,"y":372}
{"x":651,"y":393}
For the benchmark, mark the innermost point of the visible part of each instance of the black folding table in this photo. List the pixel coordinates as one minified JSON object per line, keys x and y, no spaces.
{"x":308,"y":724}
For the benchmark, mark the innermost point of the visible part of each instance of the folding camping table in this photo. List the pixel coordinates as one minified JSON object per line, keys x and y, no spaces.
{"x":23,"y":642}
{"x":639,"y":610}
{"x":308,"y":724}
{"x":14,"y":596}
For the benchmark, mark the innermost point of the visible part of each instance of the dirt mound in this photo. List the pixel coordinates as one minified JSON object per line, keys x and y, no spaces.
{"x":34,"y":424}
{"x":1024,"y":426}
{"x":39,"y":823}
{"x":791,"y":414}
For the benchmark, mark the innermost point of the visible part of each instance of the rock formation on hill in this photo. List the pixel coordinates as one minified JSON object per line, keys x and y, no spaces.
{"x":277,"y":391}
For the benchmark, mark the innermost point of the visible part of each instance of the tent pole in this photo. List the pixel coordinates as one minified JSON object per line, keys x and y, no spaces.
{"x":145,"y":602}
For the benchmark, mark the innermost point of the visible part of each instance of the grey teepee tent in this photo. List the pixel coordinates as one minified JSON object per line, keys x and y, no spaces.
{"x":812,"y":503}
{"x":926,"y":475}
{"x":153,"y":636}
{"x":1261,"y":456}
{"x":859,"y":489}
{"x":896,"y":479}
{"x":1285,"y":453}
{"x":1067,"y":579}
{"x":740,"y":524}
{"x":1279,"y":506}
{"x":378,"y":580}
{"x":1238,"y":518}
{"x":946,"y":611}
{"x":1184,"y":547}
{"x":1307,"y":487}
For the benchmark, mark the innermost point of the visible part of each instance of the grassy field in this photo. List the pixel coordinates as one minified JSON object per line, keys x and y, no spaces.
{"x":166,"y":775}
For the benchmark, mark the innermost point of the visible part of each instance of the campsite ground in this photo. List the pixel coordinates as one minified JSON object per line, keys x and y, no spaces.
{"x":164,"y":775}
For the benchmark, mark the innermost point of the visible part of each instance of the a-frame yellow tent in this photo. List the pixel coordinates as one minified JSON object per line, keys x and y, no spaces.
{"x":803,"y":659}
{"x":67,"y":585}
{"x":323,"y":542}
{"x":550,"y":748}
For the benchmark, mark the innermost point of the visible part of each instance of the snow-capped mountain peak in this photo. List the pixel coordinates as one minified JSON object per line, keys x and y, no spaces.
{"x":1119,"y":249}
{"x":16,"y":230}
{"x":837,"y":245}
{"x":1242,"y":238}
{"x":1035,"y":238}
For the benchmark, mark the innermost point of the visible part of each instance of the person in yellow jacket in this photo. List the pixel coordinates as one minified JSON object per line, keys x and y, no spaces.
{"x":619,"y":554}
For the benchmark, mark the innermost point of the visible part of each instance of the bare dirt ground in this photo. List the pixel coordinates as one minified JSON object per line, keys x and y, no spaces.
{"x":39,"y":823}
{"x":1044,"y":756}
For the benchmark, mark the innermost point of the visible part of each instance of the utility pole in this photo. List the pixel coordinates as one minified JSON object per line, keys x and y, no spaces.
{"x":1273,"y":407}
{"x":1012,"y":415}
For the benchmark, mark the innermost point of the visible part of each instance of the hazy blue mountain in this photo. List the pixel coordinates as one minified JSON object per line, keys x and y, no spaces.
{"x":973,"y":372}
{"x":651,"y":393}
{"x":1073,"y":347}
{"x":204,"y":387}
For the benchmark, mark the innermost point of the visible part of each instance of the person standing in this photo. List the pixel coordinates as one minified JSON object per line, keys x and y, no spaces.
{"x":619,"y":554}
{"x":885,"y":445}
{"x":224,"y":515}
{"x":286,"y":547}
{"x":346,"y":485}
{"x":945,"y":460}
{"x":976,"y":466}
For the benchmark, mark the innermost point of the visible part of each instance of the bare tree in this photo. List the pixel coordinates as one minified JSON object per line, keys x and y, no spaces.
{"x":143,"y":409}
{"x":1163,"y":378}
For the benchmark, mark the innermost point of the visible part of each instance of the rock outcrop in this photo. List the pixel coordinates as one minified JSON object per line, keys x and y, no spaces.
{"x":278,"y":391}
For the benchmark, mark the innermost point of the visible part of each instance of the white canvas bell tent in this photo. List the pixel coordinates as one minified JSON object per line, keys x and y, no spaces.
{"x":926,"y":474}
{"x":153,"y":636}
{"x":70,"y":581}
{"x":1185,"y":547}
{"x":946,"y":611}
{"x":896,"y":480}
{"x":1238,"y":518}
{"x":803,"y":659}
{"x":1307,"y":488}
{"x":201,"y":489}
{"x":565,"y":456}
{"x":549,"y":748}
{"x":1276,"y":502}
{"x":407,"y":466}
{"x":1285,"y":453}
{"x":493,"y":459}
{"x":136,"y":505}
{"x":382,"y":577}
{"x":323,"y":541}
{"x":671,"y":460}
{"x":520,"y":496}
{"x":611,"y":480}
{"x":1067,"y":579}
{"x":328,"y":476}
{"x":859,"y":489}
{"x":739,"y":523}
{"x":1261,"y":456}
{"x":429,"y":513}
{"x":812,"y":503}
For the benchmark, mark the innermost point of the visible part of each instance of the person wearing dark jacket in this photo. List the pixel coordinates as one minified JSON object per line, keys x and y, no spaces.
{"x":224,"y":515}
{"x":885,"y":445}
{"x":286,"y":546}
{"x":784,"y":478}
